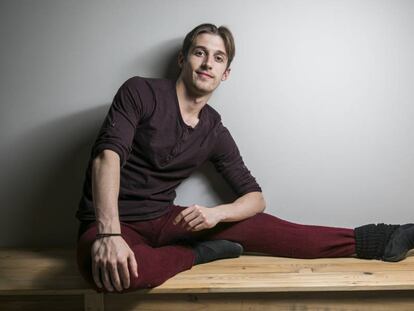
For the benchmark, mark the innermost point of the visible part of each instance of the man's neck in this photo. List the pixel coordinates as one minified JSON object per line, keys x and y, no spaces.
{"x":190,"y":105}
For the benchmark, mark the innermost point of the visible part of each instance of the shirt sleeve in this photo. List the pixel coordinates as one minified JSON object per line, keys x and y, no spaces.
{"x":229,"y":163}
{"x":118,"y":129}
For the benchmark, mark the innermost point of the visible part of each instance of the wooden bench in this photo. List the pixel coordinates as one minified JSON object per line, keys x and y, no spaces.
{"x":49,"y":280}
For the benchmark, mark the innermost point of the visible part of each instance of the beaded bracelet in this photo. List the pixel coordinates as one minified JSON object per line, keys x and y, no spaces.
{"x":104,"y":235}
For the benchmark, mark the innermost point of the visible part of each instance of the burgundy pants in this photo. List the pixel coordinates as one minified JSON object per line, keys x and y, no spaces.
{"x":162,"y":248}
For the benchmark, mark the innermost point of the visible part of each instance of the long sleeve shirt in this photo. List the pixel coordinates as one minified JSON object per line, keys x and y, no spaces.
{"x":158,"y":150}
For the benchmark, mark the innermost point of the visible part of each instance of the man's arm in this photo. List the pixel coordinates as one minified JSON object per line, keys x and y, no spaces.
{"x":197,"y":217}
{"x":111,"y":256}
{"x":105,"y":189}
{"x":228,"y":162}
{"x":244,"y":207}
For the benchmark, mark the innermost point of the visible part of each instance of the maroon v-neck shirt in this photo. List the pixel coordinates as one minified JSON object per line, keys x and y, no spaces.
{"x":158,"y":150}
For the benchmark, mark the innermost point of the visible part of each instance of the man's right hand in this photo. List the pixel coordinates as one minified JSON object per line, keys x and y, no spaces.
{"x":112,"y":262}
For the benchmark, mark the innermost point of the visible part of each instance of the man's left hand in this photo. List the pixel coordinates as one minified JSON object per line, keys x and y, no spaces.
{"x":197,"y":217}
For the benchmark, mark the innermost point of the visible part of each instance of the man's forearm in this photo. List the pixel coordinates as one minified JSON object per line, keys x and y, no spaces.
{"x":244,"y":207}
{"x":105,"y":190}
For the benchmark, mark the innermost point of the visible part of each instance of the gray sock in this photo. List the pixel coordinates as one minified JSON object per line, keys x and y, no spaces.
{"x":401,"y":241}
{"x":216,"y":249}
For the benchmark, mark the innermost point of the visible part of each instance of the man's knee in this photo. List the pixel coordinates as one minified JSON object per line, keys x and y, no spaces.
{"x":142,"y":281}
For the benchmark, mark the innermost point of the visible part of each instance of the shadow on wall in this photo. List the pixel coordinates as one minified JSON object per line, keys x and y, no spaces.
{"x":45,"y":189}
{"x":160,"y":60}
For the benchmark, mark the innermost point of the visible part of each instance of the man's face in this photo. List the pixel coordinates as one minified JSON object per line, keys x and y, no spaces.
{"x":205,"y":66}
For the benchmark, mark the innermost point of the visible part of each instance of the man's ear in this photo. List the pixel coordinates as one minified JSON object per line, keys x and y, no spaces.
{"x":226,"y":74}
{"x":180,"y":59}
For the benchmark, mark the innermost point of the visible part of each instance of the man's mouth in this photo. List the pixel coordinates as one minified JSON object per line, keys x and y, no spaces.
{"x":205,"y":74}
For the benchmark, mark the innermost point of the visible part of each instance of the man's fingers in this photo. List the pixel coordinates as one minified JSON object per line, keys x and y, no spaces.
{"x":190,"y":217}
{"x":105,"y":279}
{"x":114,"y":276}
{"x":133,"y":265}
{"x":95,"y":274}
{"x":124,"y":273}
{"x":184,"y":213}
{"x":194,"y":223}
{"x":199,"y":227}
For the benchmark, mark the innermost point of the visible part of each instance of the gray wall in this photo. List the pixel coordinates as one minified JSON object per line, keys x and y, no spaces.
{"x":320,"y":102}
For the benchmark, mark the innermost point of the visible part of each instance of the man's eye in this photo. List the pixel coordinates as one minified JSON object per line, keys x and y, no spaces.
{"x":198,"y":52}
{"x":219,"y":59}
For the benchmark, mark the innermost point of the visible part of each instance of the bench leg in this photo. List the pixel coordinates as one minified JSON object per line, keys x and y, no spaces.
{"x":94,"y":302}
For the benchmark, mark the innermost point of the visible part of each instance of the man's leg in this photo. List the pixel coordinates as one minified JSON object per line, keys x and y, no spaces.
{"x":160,"y":251}
{"x":264,"y":233}
{"x":155,"y":265}
{"x":268,"y":234}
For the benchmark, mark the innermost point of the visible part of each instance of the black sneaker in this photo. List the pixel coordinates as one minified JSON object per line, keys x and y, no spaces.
{"x":401,"y":241}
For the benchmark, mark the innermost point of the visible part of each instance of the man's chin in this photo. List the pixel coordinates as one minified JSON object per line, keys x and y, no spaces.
{"x":204,"y":89}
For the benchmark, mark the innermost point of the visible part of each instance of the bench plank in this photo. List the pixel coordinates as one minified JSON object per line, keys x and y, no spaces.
{"x":309,"y":301}
{"x":277,"y":274}
{"x":40,"y":270}
{"x":54,"y":270}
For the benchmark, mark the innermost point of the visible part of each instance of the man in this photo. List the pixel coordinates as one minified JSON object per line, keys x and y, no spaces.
{"x":156,"y":133}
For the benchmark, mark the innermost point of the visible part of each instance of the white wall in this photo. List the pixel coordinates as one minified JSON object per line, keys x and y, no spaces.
{"x":320,"y":102}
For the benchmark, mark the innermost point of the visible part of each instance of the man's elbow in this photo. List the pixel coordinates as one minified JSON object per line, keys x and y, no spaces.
{"x":262,"y":202}
{"x":106,"y":155}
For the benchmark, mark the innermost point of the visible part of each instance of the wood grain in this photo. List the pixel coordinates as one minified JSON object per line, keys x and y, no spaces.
{"x":40,"y":279}
{"x":55,"y":270}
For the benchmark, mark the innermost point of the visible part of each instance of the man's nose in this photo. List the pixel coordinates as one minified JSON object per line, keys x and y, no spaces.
{"x":208,"y":60}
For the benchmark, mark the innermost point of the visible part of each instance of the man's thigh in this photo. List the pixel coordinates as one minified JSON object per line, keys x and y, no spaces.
{"x":169,"y":233}
{"x":241,"y":231}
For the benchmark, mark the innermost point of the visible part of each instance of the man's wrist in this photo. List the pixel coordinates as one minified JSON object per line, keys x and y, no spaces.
{"x":108,"y":226}
{"x":221,"y":212}
{"x":107,"y":235}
